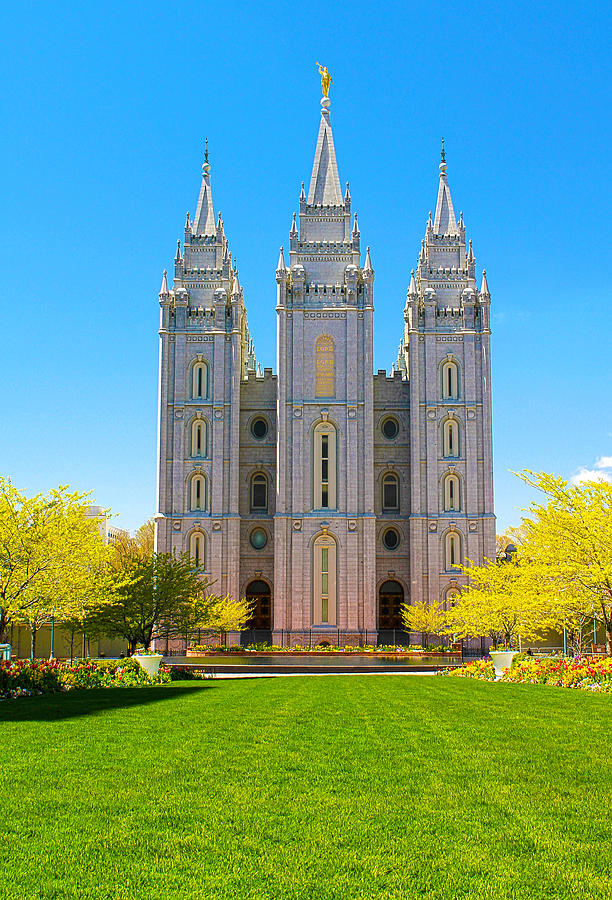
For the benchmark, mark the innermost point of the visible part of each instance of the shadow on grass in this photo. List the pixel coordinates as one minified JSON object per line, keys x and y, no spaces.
{"x":74,"y":704}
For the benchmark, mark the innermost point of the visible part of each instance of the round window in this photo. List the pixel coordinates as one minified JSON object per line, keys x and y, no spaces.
{"x":259,"y":428}
{"x":259,"y":539}
{"x":391,"y":538}
{"x":390,"y":429}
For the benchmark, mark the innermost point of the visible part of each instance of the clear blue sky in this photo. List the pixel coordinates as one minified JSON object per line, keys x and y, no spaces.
{"x":104,"y":111}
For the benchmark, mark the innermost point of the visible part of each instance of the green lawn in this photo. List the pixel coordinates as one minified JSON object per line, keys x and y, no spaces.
{"x":310,"y":788}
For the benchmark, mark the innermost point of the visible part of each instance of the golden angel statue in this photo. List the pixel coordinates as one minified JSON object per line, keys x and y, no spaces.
{"x":326,"y":79}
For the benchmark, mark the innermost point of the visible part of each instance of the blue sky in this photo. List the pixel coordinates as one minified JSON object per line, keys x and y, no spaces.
{"x":105,"y":109}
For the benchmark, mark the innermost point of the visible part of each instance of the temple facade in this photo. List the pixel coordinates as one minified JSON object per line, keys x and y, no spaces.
{"x":328,"y":494}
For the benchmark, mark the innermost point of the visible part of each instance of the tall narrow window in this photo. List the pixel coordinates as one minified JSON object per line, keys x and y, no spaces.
{"x":324,"y":584}
{"x":199,"y":438}
{"x":450,"y":381}
{"x":324,"y":581}
{"x":452,"y":499}
{"x":199,"y":493}
{"x":259,"y":493}
{"x":451,"y":438}
{"x":324,"y":469}
{"x":197,"y":550}
{"x":325,"y":373}
{"x":452,"y":550}
{"x":199,"y":381}
{"x":390,"y":492}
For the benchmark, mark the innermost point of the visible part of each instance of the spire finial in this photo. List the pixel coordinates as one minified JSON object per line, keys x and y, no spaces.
{"x":442,"y":160}
{"x":206,"y":149}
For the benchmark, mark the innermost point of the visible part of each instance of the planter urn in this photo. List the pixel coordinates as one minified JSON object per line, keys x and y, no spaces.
{"x":149,"y":662}
{"x":501,"y":659}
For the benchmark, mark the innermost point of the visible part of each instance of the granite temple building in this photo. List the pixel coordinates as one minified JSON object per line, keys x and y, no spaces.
{"x":327,"y":493}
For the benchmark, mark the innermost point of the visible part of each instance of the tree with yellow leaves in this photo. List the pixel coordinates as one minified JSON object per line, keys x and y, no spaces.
{"x":52,"y":557}
{"x":503,"y":601}
{"x":569,"y":538}
{"x":428,"y":618}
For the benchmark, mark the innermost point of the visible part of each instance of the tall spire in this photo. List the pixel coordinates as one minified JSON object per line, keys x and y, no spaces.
{"x":204,"y":222}
{"x":484,"y":287}
{"x":163,"y":291}
{"x":324,"y":181}
{"x":444,"y":221}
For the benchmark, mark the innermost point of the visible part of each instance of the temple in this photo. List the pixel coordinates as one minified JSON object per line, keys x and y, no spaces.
{"x":326,"y":493}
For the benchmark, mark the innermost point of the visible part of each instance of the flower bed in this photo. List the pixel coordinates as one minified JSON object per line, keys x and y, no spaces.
{"x":22,"y":677}
{"x":582,"y":673}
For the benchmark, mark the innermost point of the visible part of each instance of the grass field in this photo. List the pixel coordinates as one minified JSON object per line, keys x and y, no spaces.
{"x":313,"y":788}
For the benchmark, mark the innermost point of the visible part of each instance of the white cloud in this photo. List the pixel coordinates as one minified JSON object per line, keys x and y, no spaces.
{"x":589,"y":475}
{"x":604,"y":462}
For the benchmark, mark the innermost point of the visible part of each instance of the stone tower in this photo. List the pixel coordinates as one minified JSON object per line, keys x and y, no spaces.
{"x":205,"y":353}
{"x":445,"y":357}
{"x":324,"y":567}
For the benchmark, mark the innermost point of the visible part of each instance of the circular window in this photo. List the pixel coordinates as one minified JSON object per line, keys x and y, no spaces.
{"x":390,"y":429}
{"x":259,"y":428}
{"x":258,"y":539}
{"x":391,"y":538}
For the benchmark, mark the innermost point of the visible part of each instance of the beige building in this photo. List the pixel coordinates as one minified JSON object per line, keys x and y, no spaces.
{"x":328,"y":493}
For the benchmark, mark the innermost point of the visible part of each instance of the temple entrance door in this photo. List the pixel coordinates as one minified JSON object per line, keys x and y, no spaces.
{"x":259,"y":626}
{"x":390,"y":600}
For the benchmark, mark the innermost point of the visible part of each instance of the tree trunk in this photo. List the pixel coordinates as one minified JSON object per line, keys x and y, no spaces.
{"x":72,"y":630}
{"x":33,"y":630}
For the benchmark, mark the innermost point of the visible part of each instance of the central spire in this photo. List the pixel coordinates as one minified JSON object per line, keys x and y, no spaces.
{"x":444,"y":221}
{"x":204,"y":222}
{"x":324,"y":182}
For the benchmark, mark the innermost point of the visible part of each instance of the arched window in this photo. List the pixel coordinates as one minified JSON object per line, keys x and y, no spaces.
{"x":450,"y":381}
{"x":452,"y":595}
{"x":325,"y":373}
{"x":259,"y":493}
{"x":197,"y":550}
{"x":390,"y":492}
{"x":198,"y":495}
{"x":452,"y":496}
{"x":199,"y":381}
{"x":452,"y":550}
{"x":324,"y":470}
{"x":450,"y":438}
{"x":199,"y":438}
{"x":324,"y":581}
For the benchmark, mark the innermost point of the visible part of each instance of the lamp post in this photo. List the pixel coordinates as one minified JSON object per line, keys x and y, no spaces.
{"x":52,"y":652}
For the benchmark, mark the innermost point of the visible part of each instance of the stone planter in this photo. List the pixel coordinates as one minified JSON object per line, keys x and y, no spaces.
{"x":149,"y":662}
{"x":502,"y":659}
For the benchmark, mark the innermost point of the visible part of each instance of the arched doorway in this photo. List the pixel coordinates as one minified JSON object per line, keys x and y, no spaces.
{"x":259,"y":626}
{"x":390,"y":600}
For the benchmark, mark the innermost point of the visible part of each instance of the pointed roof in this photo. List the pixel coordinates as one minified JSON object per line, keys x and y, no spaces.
{"x":204,"y":222}
{"x":281,"y":267}
{"x":444,"y":220}
{"x":163,"y":291}
{"x":367,"y":267}
{"x":412,"y":289}
{"x":484,"y":287}
{"x":324,"y":181}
